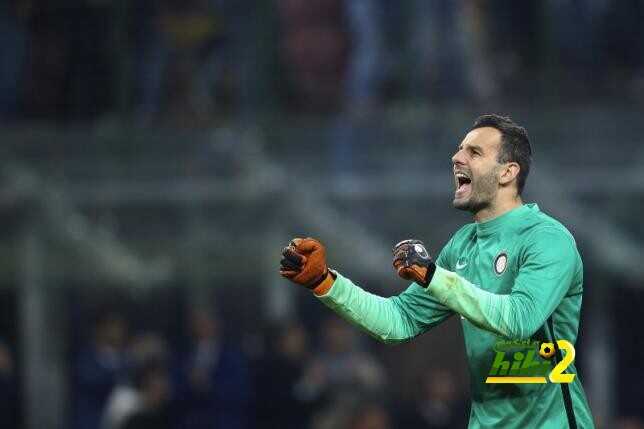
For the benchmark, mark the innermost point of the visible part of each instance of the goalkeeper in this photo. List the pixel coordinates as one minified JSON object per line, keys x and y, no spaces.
{"x":514,"y":274}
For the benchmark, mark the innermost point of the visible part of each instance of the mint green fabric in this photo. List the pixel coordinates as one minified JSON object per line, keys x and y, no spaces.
{"x":505,"y":278}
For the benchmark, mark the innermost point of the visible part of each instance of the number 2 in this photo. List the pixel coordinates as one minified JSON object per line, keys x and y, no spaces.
{"x":557,"y":375}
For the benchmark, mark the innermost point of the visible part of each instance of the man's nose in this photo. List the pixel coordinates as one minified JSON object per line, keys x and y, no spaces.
{"x":458,"y":158}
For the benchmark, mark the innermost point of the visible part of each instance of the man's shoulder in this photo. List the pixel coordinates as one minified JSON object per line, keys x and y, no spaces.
{"x":541,"y":227}
{"x":538,"y":224}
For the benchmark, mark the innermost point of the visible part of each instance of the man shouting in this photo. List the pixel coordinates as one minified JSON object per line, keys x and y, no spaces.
{"x":514,"y":276}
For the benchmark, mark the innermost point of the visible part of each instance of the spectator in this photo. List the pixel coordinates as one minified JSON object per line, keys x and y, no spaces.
{"x":181,"y":57}
{"x":153,"y":387}
{"x":68,"y":73}
{"x":89,"y":27}
{"x":213,"y":386}
{"x":353,"y":413}
{"x":371,"y":416}
{"x":279,"y":403}
{"x":364,"y":74}
{"x":340,"y":375}
{"x":629,"y":423}
{"x":98,"y":368}
{"x":365,"y":66}
{"x":448,"y":39}
{"x":341,"y":366}
{"x":440,"y":405}
{"x":47,"y":64}
{"x":13,"y":44}
{"x":313,"y":49}
{"x":8,"y":389}
{"x":126,"y":399}
{"x":574,"y":53}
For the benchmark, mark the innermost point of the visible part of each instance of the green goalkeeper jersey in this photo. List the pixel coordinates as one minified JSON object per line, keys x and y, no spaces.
{"x":516,"y":282}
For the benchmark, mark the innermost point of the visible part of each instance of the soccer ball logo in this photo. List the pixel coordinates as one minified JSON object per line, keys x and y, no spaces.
{"x":547,"y":350}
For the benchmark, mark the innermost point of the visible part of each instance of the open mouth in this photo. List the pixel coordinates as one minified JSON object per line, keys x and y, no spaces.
{"x":463,"y":184}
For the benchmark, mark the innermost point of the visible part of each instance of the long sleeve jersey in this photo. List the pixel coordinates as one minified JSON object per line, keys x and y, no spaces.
{"x":516,"y":282}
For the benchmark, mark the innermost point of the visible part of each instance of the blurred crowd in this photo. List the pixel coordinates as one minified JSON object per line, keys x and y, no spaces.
{"x":198,"y":369}
{"x":289,"y":377}
{"x":122,"y":377}
{"x":191,"y":62}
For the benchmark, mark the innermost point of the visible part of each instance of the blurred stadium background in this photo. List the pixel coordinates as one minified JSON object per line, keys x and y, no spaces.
{"x":156,"y":156}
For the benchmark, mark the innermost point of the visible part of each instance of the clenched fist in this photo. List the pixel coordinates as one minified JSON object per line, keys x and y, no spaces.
{"x":412,"y":262}
{"x":304,"y":262}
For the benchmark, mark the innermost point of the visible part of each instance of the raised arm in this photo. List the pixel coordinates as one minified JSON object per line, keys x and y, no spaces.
{"x":549,"y":264}
{"x":391,"y":320}
{"x":546,"y":271}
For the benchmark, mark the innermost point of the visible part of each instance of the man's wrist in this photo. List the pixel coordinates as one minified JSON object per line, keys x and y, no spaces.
{"x":431,"y":270}
{"x":324,"y":285}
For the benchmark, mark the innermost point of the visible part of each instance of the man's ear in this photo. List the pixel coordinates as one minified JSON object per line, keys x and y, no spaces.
{"x":509,"y":172}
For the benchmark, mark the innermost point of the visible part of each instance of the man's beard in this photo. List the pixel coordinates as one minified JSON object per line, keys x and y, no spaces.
{"x":482,"y":194}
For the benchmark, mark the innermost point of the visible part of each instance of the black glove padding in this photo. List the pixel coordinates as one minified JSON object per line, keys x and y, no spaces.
{"x":412,"y":261}
{"x":291,"y":260}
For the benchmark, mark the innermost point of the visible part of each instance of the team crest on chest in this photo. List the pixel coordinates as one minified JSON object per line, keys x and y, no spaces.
{"x":500,"y":263}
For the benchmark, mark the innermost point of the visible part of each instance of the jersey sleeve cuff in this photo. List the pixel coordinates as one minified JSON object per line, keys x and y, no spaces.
{"x":442,"y":284}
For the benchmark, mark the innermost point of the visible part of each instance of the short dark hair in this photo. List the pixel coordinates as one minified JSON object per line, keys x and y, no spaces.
{"x":515,"y":144}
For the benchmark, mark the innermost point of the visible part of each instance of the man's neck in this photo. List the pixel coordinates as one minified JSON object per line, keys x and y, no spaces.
{"x":497,"y":209}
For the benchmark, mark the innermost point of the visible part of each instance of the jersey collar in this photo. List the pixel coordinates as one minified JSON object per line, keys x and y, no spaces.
{"x":489,"y":227}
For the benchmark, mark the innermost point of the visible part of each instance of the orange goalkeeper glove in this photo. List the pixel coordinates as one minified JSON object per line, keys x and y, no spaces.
{"x":412,"y":262}
{"x":304,"y":262}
